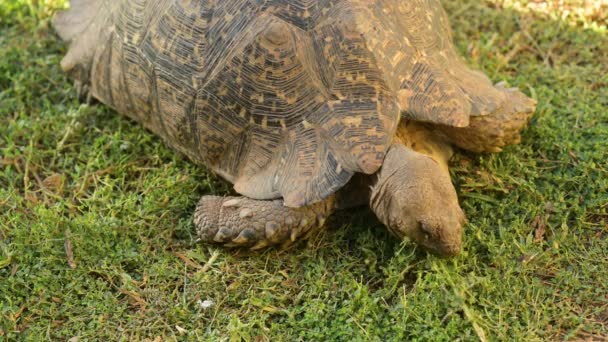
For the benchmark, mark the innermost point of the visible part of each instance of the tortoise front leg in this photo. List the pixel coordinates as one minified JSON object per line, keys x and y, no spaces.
{"x":490,"y":133}
{"x":246,"y":222}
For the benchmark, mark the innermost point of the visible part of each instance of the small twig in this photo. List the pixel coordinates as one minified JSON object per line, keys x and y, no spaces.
{"x":89,"y":177}
{"x":66,"y":136}
{"x":476,"y":327}
{"x":139,"y":301}
{"x":210,"y":261}
{"x":193,"y":264}
{"x":67,"y":244}
{"x":187,"y":261}
{"x":26,"y":177}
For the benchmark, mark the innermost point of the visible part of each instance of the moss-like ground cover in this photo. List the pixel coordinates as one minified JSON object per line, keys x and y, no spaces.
{"x":96,"y":239}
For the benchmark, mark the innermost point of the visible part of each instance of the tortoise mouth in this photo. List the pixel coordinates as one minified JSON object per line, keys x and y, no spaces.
{"x":440,"y":242}
{"x":443,"y":242}
{"x":444,"y":250}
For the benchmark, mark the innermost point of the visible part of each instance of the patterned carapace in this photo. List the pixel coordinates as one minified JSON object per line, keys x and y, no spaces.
{"x":282,"y":98}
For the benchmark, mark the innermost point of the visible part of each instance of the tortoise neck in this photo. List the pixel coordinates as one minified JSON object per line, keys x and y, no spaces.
{"x":425,"y":139}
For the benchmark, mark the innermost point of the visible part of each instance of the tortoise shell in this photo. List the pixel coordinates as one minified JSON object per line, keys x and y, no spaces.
{"x":284,"y":98}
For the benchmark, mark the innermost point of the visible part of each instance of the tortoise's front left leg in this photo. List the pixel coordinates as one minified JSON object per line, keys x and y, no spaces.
{"x":246,"y":222}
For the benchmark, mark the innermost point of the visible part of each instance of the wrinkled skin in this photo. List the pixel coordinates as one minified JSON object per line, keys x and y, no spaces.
{"x":415,"y":198}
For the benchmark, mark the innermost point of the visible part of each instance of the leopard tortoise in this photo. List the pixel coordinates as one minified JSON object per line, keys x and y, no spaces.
{"x":306,"y":106}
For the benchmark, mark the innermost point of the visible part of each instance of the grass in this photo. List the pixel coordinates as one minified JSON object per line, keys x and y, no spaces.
{"x":96,"y":239}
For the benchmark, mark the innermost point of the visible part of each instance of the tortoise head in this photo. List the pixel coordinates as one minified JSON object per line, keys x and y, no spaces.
{"x":415,"y":198}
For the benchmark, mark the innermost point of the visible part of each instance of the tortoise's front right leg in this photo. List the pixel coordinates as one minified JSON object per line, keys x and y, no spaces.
{"x":492,"y":132}
{"x":245,"y":222}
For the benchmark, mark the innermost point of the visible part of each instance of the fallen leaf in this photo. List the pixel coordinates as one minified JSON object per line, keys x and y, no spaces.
{"x":54,"y":183}
{"x":539,"y":228}
{"x":31,"y":197}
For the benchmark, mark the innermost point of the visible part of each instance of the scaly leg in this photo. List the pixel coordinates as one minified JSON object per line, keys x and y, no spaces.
{"x":490,"y":133}
{"x":246,"y":222}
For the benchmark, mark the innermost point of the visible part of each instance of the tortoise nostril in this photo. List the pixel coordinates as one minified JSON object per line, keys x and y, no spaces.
{"x":427,"y":228}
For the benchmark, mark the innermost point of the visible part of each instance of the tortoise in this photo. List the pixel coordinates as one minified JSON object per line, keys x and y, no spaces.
{"x":306,"y":106}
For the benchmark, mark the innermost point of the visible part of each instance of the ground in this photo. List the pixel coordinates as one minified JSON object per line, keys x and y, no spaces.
{"x":96,"y":237}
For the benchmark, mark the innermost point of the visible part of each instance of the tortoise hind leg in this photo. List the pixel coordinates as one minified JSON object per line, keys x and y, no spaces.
{"x":246,"y":222}
{"x":490,"y":133}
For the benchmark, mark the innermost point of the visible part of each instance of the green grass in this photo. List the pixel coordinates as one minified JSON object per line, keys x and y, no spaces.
{"x":535,"y":265}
